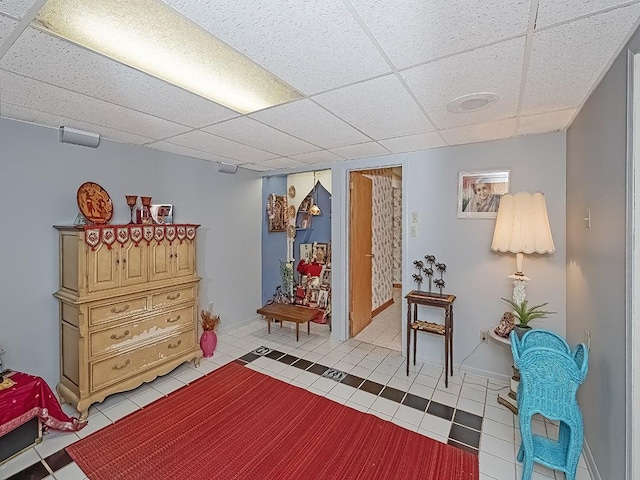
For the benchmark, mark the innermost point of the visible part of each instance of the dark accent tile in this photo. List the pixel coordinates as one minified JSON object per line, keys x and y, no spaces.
{"x":249,"y":357}
{"x":468,"y":420}
{"x":302,"y":364}
{"x":37,"y":471}
{"x":352,"y":381}
{"x":274,"y":354}
{"x":462,"y":446}
{"x":288,"y":359}
{"x":317,"y":368}
{"x":240,"y":362}
{"x":414,"y":401}
{"x":371,"y":387}
{"x":440,"y":410}
{"x":58,"y":460}
{"x":465,"y":435}
{"x":393,"y":394}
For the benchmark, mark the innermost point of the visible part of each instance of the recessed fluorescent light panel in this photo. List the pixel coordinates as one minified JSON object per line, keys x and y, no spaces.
{"x":150,"y":36}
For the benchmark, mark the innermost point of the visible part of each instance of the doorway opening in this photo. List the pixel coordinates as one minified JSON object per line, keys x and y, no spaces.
{"x":375,"y":257}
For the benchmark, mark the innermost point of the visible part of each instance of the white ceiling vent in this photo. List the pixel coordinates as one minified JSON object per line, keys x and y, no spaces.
{"x":472,"y":102}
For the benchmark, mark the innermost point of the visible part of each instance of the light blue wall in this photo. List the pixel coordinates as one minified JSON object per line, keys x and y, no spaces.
{"x":274,"y":244}
{"x":39,"y":178}
{"x":321,"y":231}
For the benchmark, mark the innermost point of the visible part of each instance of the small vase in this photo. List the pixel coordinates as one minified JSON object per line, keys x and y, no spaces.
{"x":208,"y":342}
{"x":521,"y":330}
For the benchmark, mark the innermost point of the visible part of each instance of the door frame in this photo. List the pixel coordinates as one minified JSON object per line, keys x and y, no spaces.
{"x":340,"y":236}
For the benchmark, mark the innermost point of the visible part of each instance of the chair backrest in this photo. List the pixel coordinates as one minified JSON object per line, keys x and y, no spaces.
{"x":537,"y":337}
{"x":549,"y":379}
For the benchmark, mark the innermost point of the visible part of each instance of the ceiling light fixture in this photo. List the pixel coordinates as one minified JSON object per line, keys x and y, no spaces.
{"x":150,"y":36}
{"x":472,"y":102}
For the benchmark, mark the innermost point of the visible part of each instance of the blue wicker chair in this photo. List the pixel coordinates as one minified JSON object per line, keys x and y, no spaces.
{"x":549,"y":380}
{"x":539,"y":337}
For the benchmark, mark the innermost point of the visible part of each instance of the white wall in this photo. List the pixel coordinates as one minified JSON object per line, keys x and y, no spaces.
{"x":477,"y":276}
{"x":39,"y":178}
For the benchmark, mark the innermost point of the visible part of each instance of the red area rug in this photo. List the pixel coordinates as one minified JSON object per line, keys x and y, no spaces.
{"x":236,"y":423}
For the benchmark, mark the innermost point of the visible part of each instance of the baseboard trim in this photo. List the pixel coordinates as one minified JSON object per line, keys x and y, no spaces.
{"x":502,"y":378}
{"x":592,"y":468}
{"x":226,"y":327}
{"x":382,"y":307}
{"x":397,"y":285}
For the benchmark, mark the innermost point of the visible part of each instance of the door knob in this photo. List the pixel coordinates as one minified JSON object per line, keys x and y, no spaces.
{"x":370,"y":255}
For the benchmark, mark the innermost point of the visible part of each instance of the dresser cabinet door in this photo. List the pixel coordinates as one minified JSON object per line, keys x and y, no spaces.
{"x":103,"y":268}
{"x":133,"y":264}
{"x":184,"y":259}
{"x":161,"y":261}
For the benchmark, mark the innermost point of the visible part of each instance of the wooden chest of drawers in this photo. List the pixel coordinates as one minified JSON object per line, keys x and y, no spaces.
{"x":120,"y":324}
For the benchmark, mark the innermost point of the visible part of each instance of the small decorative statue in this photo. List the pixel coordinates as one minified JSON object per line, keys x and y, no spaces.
{"x":431,"y":259}
{"x":417,"y":277}
{"x":506,"y":324}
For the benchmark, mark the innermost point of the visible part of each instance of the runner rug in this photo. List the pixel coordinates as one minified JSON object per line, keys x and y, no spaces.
{"x":236,"y":423}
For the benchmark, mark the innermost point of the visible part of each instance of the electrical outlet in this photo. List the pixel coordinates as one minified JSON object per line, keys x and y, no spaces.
{"x":587,"y":337}
{"x":484,"y":336}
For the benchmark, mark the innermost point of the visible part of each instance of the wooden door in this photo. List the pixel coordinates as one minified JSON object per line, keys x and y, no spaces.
{"x":360,"y":256}
{"x":184,"y":259}
{"x":133,"y":261}
{"x":103,"y":264}
{"x":160,"y":259}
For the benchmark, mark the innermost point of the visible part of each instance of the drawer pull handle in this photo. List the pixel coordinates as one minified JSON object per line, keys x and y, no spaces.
{"x":120,"y":337}
{"x":173,"y":297}
{"x":173,"y":320}
{"x":123,"y":309}
{"x":121,"y":366}
{"x":175,"y":345}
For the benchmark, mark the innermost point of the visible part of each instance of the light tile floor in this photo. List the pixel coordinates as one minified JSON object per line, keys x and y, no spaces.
{"x":499,"y":438}
{"x":385,"y":329}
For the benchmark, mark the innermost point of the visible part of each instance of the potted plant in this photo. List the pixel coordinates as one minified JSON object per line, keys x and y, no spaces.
{"x":525,"y":314}
{"x":208,"y":339}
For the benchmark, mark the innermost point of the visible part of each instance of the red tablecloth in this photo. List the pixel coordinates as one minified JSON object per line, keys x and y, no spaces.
{"x":31,"y":397}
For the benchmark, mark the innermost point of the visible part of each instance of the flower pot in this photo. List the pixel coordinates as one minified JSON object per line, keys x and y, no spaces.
{"x":208,"y":342}
{"x":521,"y":330}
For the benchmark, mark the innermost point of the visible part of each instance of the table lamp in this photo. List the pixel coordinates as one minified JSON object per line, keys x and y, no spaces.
{"x":522,"y":226}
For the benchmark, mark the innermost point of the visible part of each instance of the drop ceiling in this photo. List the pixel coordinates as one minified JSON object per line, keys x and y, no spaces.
{"x":376,"y":76}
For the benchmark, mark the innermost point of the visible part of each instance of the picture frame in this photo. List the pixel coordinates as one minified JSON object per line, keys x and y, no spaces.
{"x":161,"y":213}
{"x":306,"y":252}
{"x":479,"y":193}
{"x":323,"y":299}
{"x":305,"y":205}
{"x":320,"y":252}
{"x":278,"y":223}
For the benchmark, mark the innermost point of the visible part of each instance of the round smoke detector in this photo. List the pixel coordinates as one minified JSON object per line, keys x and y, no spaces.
{"x":472,"y":102}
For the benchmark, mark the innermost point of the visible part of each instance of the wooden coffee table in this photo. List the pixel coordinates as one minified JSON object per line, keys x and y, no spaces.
{"x":286,"y":312}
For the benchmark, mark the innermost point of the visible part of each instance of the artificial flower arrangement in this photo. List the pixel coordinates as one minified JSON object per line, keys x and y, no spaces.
{"x":208,"y":320}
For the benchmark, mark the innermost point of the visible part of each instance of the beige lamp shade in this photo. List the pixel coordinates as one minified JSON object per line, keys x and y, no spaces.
{"x":522,"y":225}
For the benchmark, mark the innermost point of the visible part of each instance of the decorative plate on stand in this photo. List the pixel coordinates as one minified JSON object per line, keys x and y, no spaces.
{"x":292,"y":191}
{"x":94,"y":203}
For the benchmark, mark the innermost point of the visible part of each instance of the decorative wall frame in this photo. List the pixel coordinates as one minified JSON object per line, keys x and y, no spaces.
{"x":479,"y":193}
{"x":320,"y":252}
{"x":276,"y":219}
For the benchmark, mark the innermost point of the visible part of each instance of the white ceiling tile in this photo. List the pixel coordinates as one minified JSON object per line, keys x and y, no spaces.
{"x":362,"y":150}
{"x":188,"y":152}
{"x":314,"y":46}
{"x":412,"y":143}
{"x":495,"y":69}
{"x":6,"y":27}
{"x":416,"y":31}
{"x":306,"y":120}
{"x":282,"y":163}
{"x":480,"y":133}
{"x":567,"y":60}
{"x":37,"y":95}
{"x":381,"y":108}
{"x":555,"y":11}
{"x":52,"y":60}
{"x":251,"y":132}
{"x":257,"y":167}
{"x":321,"y":156}
{"x":16,"y":8}
{"x":545,"y":122}
{"x":41,"y":118}
{"x":220,"y":146}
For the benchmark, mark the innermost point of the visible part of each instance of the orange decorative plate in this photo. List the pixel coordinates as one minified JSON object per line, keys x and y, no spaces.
{"x":94,"y":203}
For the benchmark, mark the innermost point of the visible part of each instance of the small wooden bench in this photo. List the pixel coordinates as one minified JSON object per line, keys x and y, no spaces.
{"x":286,"y":312}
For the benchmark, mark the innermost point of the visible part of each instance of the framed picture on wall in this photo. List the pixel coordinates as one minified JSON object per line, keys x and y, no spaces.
{"x":277,"y":221}
{"x":320,"y":252}
{"x":479,"y":193}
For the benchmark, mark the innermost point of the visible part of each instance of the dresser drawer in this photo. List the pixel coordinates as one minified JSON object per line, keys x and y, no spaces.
{"x":116,"y":369}
{"x":173,"y":296}
{"x":143,"y":330}
{"x":105,"y":313}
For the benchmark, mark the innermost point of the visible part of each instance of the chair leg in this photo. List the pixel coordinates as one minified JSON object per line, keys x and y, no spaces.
{"x":520,"y":456}
{"x":527,"y":469}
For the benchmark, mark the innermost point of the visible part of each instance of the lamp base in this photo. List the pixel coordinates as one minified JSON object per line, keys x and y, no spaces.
{"x":519,"y":287}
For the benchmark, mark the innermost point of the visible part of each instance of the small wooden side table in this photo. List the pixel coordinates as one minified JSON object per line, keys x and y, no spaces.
{"x":444,"y":301}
